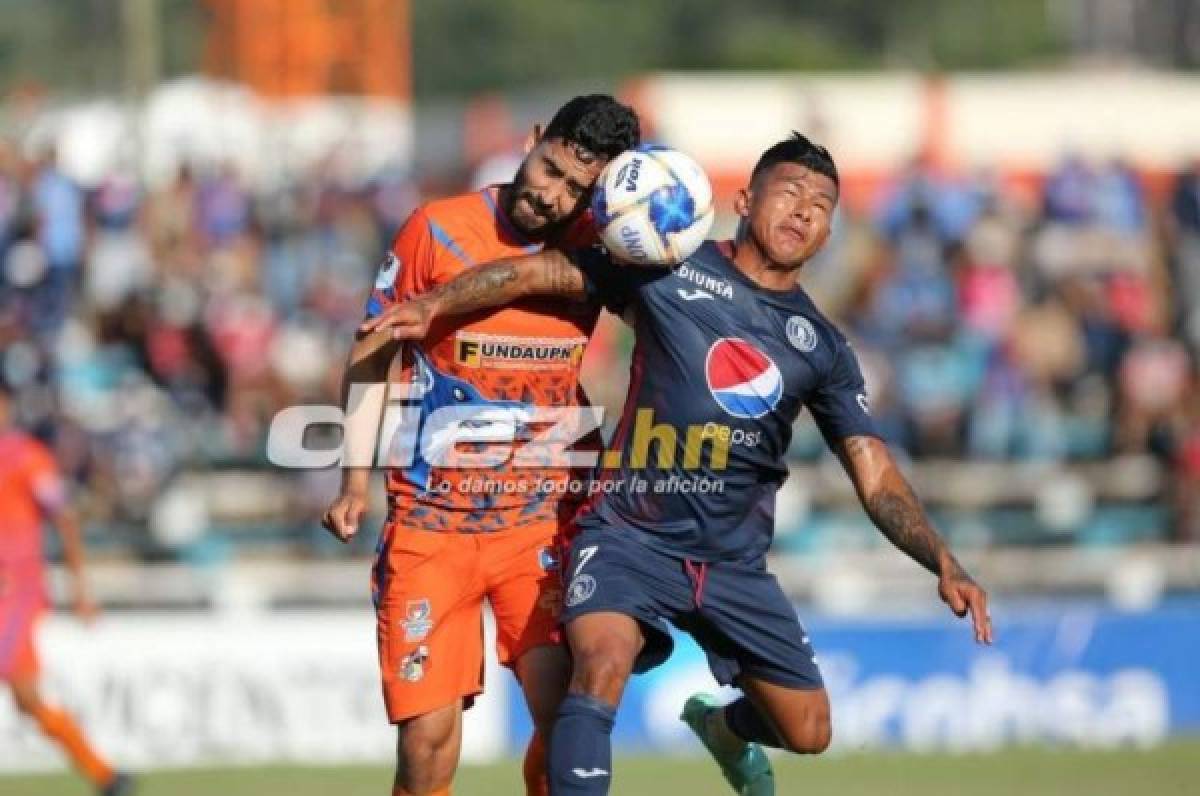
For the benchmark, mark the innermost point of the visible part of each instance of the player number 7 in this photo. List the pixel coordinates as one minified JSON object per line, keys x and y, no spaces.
{"x":585,"y":555}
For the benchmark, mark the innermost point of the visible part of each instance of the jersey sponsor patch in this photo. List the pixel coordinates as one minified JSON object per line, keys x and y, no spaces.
{"x":524,"y":353}
{"x":705,"y":281}
{"x":743,"y":380}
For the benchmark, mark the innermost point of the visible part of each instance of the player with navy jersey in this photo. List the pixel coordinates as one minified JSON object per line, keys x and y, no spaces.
{"x":729,"y":351}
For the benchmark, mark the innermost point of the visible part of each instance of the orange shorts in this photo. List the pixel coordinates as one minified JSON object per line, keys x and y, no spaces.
{"x":429,"y":588}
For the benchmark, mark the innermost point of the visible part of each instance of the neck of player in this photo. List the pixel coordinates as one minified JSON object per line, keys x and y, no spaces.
{"x":753,"y":261}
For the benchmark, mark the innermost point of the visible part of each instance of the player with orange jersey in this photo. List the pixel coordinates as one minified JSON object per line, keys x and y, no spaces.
{"x":32,"y":490}
{"x":456,"y":535}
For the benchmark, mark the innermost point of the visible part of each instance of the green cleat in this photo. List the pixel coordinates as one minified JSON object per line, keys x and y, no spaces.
{"x":748,"y":771}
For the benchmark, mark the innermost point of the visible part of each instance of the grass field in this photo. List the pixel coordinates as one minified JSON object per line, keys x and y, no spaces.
{"x":1171,"y":769}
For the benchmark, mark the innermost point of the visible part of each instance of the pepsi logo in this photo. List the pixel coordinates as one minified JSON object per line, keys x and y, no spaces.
{"x":742,"y":379}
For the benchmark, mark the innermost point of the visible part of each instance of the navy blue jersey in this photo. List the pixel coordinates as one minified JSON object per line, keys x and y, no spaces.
{"x":721,"y":370}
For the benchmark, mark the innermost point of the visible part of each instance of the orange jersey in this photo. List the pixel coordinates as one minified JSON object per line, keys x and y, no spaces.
{"x":29,"y":485}
{"x":491,"y":367}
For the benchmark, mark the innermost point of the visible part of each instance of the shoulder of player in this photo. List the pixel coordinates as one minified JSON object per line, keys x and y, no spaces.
{"x":452,"y":216}
{"x":830,"y":337}
{"x":449,"y":208}
{"x":29,"y":451}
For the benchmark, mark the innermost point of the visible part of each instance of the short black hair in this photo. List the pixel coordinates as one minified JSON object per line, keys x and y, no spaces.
{"x":597,"y":123}
{"x":798,"y":149}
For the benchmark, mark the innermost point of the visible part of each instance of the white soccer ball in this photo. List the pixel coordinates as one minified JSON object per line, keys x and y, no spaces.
{"x":653,"y":206}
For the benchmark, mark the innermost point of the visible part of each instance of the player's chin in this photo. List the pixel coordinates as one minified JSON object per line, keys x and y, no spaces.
{"x":541,"y":228}
{"x":789,"y":255}
{"x":531,"y":224}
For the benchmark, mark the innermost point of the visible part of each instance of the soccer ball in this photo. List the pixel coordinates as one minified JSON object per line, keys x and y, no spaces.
{"x":653,"y":206}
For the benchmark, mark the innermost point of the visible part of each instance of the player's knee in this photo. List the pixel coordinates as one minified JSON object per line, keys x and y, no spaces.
{"x":543,"y":715}
{"x":420,"y":750}
{"x":543,"y":721}
{"x":543,"y":705}
{"x":601,"y":671}
{"x":425,"y":754}
{"x":544,"y":681}
{"x":809,"y":736}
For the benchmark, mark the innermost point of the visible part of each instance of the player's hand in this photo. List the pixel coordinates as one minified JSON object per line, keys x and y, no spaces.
{"x":964,"y":595}
{"x":85,"y":609}
{"x":343,"y":516}
{"x":408,"y":320}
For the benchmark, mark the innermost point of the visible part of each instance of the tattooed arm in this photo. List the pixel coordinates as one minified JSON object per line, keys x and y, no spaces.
{"x":546,"y":273}
{"x":894,"y":508}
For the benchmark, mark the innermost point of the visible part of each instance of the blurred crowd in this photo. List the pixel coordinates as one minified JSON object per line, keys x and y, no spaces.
{"x":148,"y":332}
{"x":1049,"y":321}
{"x":153,"y":331}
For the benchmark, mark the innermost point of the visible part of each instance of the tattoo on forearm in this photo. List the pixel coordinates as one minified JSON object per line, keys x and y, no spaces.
{"x":902,"y":520}
{"x":562,"y":278}
{"x":856,"y":446}
{"x":475,"y":289}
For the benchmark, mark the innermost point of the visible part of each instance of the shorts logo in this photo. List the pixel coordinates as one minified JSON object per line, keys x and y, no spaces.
{"x":584,"y":773}
{"x":548,"y":559}
{"x":801,"y":334}
{"x":581,"y":590}
{"x":524,"y":353}
{"x":412,"y":665}
{"x":418,"y":621}
{"x":741,"y":378}
{"x":862,"y":403}
{"x":388,"y":272}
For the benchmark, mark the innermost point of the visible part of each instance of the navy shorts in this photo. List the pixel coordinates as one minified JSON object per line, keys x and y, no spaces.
{"x":735,"y":611}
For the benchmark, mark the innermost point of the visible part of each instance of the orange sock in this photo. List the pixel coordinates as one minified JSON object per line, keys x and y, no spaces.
{"x":534,"y":767}
{"x":61,"y":728}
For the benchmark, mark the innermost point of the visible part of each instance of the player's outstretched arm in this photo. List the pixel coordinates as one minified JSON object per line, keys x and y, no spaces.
{"x":71,"y":533}
{"x":894,"y":508}
{"x":546,"y":273}
{"x":367,"y":365}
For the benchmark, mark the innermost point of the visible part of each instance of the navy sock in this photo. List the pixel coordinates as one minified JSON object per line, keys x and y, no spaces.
{"x":750,"y":725}
{"x":580,"y":759}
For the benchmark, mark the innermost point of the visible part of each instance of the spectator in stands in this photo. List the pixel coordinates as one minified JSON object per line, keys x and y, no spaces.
{"x":1183,"y":237}
{"x":59,"y":219}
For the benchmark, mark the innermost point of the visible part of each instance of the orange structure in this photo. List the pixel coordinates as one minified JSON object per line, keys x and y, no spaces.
{"x":297,"y":48}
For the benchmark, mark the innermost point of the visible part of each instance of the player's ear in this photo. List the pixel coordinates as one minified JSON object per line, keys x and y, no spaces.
{"x":532,"y":139}
{"x":741,"y":202}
